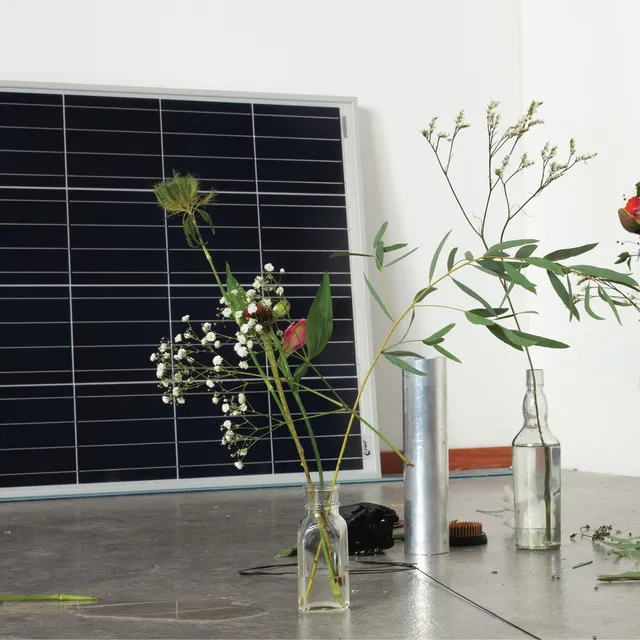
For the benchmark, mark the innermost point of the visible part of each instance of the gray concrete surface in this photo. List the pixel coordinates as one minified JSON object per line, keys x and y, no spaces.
{"x":165,"y":566}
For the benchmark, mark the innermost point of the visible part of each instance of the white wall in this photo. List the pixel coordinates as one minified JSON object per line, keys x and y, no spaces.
{"x":405,"y":61}
{"x":582,"y":59}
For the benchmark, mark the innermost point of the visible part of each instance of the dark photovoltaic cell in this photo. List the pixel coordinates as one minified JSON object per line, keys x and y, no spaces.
{"x":92,"y":276}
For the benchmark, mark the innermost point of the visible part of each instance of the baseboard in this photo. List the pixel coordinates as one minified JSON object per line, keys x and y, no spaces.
{"x":459,"y":459}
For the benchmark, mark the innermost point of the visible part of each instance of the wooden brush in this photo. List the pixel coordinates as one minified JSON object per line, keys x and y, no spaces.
{"x":466,"y":534}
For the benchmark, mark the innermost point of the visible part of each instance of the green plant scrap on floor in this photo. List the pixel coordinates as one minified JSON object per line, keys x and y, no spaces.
{"x":57,"y":597}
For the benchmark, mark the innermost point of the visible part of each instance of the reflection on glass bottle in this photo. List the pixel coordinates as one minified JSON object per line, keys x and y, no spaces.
{"x":536,"y":473}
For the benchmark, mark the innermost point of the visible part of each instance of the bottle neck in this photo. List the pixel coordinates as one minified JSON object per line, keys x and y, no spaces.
{"x":322,"y":499}
{"x":534,"y":408}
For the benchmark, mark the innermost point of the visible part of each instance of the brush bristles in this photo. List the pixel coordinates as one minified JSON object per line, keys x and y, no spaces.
{"x":459,"y":529}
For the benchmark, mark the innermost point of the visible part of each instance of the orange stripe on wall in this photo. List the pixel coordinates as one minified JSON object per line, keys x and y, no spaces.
{"x":459,"y":459}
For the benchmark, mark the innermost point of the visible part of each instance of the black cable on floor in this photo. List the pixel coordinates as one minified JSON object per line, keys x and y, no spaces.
{"x":386,"y":566}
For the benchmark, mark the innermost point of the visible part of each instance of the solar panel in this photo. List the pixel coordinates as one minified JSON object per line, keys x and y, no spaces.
{"x":92,"y":275}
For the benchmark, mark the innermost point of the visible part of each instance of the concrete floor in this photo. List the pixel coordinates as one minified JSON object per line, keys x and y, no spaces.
{"x":181,"y":553}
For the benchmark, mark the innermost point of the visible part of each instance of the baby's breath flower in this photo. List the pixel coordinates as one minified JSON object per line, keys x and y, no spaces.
{"x":226,"y":312}
{"x":268,"y":267}
{"x":227,"y":424}
{"x":188,"y":334}
{"x":238,"y":315}
{"x":243,"y":364}
{"x":243,"y":407}
{"x":206,"y":327}
{"x":217,"y":368}
{"x":178,"y":338}
{"x":238,"y":464}
{"x":210,"y":384}
{"x":181,"y":400}
{"x":225,"y":407}
{"x":186,"y":318}
{"x":163,"y":347}
{"x":181,"y":354}
{"x":160,"y":369}
{"x":242,"y":398}
{"x":251,"y":293}
{"x":242,"y":351}
{"x":280,"y":291}
{"x":249,"y":344}
{"x":176,"y":391}
{"x":166,"y":399}
{"x":245,"y":328}
{"x":216,"y":344}
{"x":210,"y":337}
{"x":217,"y":360}
{"x":154,"y":357}
{"x":267,"y":302}
{"x":252,"y":308}
{"x":242,"y":339}
{"x":258,"y":328}
{"x":251,"y":322}
{"x":223,"y":300}
{"x":281,"y":270}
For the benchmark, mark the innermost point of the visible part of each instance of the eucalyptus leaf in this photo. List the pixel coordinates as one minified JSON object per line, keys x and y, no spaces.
{"x":376,"y":297}
{"x":341,"y":254}
{"x":519,"y":278}
{"x":474,"y":295}
{"x":498,"y":332}
{"x":468,"y":255}
{"x":485,"y":313}
{"x":395,"y":247}
{"x":477,"y":319}
{"x":402,"y":257}
{"x":434,"y":337}
{"x":445,"y":353}
{"x":508,"y":244}
{"x":422,"y":294}
{"x":540,"y":341}
{"x":381,"y":230}
{"x":563,"y":294}
{"x":398,"y":362}
{"x":436,"y":255}
{"x":543,"y":263}
{"x":451,"y":259}
{"x":526,"y":251}
{"x":605,"y":274}
{"x":404,"y":354}
{"x":380,"y":255}
{"x":605,"y":296}
{"x":495,"y":266}
{"x":517,"y":339}
{"x":563,"y":254}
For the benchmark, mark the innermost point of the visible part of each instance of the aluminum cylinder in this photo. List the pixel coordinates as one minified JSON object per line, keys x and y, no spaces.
{"x":426,"y":483}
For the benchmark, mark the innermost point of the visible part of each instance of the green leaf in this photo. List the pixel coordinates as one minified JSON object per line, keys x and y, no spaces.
{"x":451,"y":259}
{"x":301,"y":369}
{"x":498,"y":332}
{"x":436,"y":255}
{"x":320,"y":319}
{"x":543,"y":263}
{"x":341,"y":254}
{"x":563,"y":294}
{"x":379,"y":235}
{"x":485,"y":313}
{"x":422,"y":294}
{"x":376,"y":297}
{"x":468,"y":255}
{"x":605,"y":274}
{"x":237,"y":301}
{"x":526,"y":251}
{"x":605,"y":296}
{"x":508,"y":244}
{"x":541,"y":341}
{"x":445,"y":353}
{"x":474,"y":295}
{"x":476,"y":319}
{"x":405,"y":354}
{"x":495,"y":267}
{"x":518,"y":278}
{"x":563,"y":254}
{"x":434,"y":337}
{"x":380,"y":255}
{"x":398,"y":362}
{"x":517,"y":339}
{"x":395,"y":247}
{"x":402,"y":257}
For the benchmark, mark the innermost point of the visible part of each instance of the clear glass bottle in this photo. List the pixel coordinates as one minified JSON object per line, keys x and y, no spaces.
{"x":323,"y":553}
{"x":536,"y":473}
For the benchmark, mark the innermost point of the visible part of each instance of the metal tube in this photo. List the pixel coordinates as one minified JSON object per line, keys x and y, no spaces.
{"x":426,"y":484}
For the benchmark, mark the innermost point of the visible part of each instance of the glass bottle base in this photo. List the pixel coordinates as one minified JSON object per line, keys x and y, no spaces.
{"x":536,"y":540}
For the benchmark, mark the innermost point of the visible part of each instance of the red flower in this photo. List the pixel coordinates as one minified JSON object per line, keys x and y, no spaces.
{"x":263,"y":314}
{"x":295,"y":336}
{"x":633,"y":207}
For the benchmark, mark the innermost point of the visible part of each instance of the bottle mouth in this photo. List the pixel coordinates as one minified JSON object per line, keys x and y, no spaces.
{"x":319,"y":496}
{"x":536,"y":375}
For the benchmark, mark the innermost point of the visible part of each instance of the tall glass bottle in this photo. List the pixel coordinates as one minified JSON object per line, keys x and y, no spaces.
{"x":323,"y":553}
{"x":536,"y":473}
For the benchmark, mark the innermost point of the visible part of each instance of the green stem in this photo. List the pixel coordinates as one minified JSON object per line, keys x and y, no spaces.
{"x":61,"y":597}
{"x":312,"y":438}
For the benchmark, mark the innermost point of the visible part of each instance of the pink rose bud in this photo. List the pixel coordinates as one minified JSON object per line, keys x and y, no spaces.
{"x":295,"y":336}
